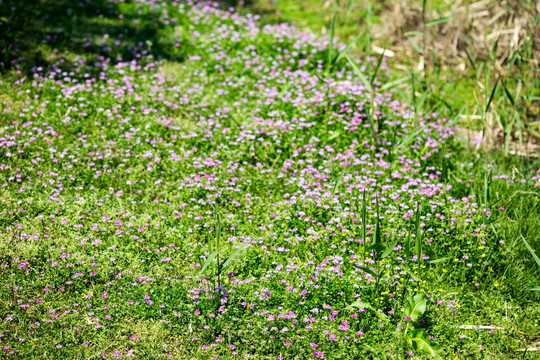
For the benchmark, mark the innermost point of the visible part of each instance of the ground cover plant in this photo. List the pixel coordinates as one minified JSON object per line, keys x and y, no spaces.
{"x":179,"y":180}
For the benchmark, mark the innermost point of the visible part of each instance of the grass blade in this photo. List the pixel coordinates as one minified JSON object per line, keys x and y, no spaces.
{"x":367,"y":306}
{"x":364,"y":219}
{"x":508,"y":95}
{"x":379,"y":62}
{"x":366,"y":270}
{"x":359,"y":73}
{"x":344,"y":51}
{"x":440,"y":20}
{"x":492,"y":95}
{"x":418,"y":239}
{"x":338,"y":182}
{"x":470,"y":59}
{"x":208,"y":261}
{"x":406,"y":269}
{"x":231,"y":257}
{"x":378,"y":238}
{"x":415,"y":46}
{"x":408,"y":246}
{"x":530,"y":250}
{"x":392,"y":84}
{"x":410,"y":137}
{"x":413,"y":93}
{"x":439,"y":260}
{"x":388,"y":250}
{"x":331,"y":44}
{"x":218,"y":235}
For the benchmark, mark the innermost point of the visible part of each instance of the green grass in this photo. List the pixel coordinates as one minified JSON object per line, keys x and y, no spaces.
{"x":214,"y":188}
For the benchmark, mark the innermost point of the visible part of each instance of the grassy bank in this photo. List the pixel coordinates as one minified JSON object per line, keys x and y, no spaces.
{"x":182,"y":180}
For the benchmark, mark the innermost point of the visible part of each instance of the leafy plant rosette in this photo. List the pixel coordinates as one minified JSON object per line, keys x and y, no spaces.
{"x":414,"y":308}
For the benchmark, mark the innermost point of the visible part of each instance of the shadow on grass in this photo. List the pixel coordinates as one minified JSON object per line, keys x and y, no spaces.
{"x":38,"y":34}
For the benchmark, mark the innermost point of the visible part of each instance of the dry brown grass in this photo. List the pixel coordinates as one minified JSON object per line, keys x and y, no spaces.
{"x":473,"y":27}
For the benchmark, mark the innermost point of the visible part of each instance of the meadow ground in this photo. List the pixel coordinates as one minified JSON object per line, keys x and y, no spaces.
{"x":183,"y":180}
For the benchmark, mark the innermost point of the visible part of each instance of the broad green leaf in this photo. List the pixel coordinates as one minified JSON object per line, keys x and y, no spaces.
{"x":420,"y":341}
{"x":415,"y":306}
